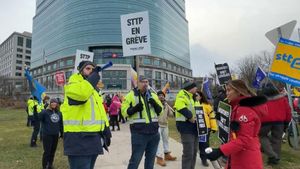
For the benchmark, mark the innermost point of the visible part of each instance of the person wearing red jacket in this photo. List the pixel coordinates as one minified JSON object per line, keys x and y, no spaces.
{"x":114,"y":110}
{"x":243,"y":148}
{"x":275,"y":123}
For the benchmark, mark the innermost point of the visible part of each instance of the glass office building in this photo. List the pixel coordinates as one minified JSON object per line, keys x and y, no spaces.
{"x":62,"y":26}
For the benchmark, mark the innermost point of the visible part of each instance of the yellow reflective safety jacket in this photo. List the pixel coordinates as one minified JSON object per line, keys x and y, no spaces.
{"x":132,"y":99}
{"x":30,"y":105}
{"x":184,"y":99}
{"x":82,"y":110}
{"x":209,"y":115}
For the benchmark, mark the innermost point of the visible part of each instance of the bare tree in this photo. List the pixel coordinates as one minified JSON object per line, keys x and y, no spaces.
{"x":247,"y":66}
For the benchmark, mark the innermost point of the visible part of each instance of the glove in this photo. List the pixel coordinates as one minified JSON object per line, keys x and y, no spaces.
{"x":98,"y":69}
{"x":152,"y":102}
{"x":214,"y":154}
{"x":93,"y":78}
{"x":235,"y":126}
{"x":106,"y":135}
{"x":138,"y":108}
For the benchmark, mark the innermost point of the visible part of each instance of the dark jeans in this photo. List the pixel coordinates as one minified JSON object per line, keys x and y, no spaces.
{"x":36,"y":129}
{"x":202,"y":147}
{"x":190,"y":144}
{"x":114,"y":121}
{"x":29,"y":120}
{"x":82,"y":162}
{"x":49,"y":144}
{"x":141,"y":143}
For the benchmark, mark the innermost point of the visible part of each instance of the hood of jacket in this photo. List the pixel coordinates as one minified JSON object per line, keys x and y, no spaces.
{"x":257,"y":103}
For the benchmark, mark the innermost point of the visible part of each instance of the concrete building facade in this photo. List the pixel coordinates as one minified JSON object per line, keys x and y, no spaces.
{"x":15,"y":53}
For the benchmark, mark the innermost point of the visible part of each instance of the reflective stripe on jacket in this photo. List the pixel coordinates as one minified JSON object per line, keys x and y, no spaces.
{"x":132,"y":99}
{"x":89,"y":116}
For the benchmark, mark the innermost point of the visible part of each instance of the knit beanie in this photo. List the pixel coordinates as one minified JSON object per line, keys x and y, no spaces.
{"x":83,"y":64}
{"x":241,"y":87}
{"x":188,"y":85}
{"x":161,"y":92}
{"x":53,"y":100}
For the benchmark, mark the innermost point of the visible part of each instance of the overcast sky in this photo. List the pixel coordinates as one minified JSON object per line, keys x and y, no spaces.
{"x":220,"y":30}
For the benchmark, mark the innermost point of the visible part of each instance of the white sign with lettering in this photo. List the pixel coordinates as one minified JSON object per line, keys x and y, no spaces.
{"x":82,"y":55}
{"x":135,"y":34}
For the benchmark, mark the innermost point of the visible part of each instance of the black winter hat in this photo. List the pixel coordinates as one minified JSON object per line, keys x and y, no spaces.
{"x":83,"y":64}
{"x":161,"y":92}
{"x":188,"y":85}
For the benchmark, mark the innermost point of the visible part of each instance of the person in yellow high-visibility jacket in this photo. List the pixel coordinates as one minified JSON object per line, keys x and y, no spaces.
{"x":84,"y":118}
{"x":35,"y":108}
{"x":29,"y":110}
{"x":142,"y":107}
{"x":186,"y":124}
{"x":210,"y":121}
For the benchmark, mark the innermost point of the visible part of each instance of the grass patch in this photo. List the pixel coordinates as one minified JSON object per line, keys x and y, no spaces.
{"x":14,"y":143}
{"x":290,"y":158}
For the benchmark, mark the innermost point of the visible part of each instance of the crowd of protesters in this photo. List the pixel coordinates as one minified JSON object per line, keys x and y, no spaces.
{"x":257,"y":122}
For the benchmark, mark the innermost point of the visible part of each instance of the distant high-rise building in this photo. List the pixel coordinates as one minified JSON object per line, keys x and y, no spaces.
{"x":15,"y":52}
{"x":62,"y":26}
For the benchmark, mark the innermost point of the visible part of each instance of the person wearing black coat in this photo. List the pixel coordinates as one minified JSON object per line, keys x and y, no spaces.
{"x":52,"y":126}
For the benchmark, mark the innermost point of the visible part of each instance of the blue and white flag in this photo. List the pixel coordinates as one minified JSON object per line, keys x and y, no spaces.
{"x":206,"y":88}
{"x":35,"y":87}
{"x":259,"y":76}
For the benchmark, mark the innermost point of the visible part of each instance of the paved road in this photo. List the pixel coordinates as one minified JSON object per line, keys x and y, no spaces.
{"x":120,"y":151}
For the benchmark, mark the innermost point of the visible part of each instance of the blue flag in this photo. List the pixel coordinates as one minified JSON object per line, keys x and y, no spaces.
{"x":35,"y":87}
{"x":259,"y":76}
{"x":206,"y":88}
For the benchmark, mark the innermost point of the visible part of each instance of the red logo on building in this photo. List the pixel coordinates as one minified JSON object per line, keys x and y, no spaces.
{"x":60,"y":78}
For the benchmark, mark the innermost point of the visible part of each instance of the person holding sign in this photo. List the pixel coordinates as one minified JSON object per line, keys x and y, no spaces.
{"x":243,"y":148}
{"x":210,"y":124}
{"x":86,"y":127}
{"x":186,"y":124}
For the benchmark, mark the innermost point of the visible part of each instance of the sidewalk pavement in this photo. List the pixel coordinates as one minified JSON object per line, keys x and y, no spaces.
{"x":120,"y":151}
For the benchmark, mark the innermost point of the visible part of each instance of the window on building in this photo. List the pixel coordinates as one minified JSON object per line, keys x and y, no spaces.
{"x":18,"y":74}
{"x":20,"y":41}
{"x":18,"y":67}
{"x":54,"y":66}
{"x":19,"y":56}
{"x":166,"y":76}
{"x":171,"y":78}
{"x":70,"y":62}
{"x":28,"y":51}
{"x":19,"y":50}
{"x":27,"y":63}
{"x":156,"y":62}
{"x":68,"y":74}
{"x":158,"y":80}
{"x":169,"y":66}
{"x":48,"y":67}
{"x":28,"y":43}
{"x":157,"y":75}
{"x":61,"y":63}
{"x":147,"y":61}
{"x":164,"y":64}
{"x":19,"y":61}
{"x":28,"y":57}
